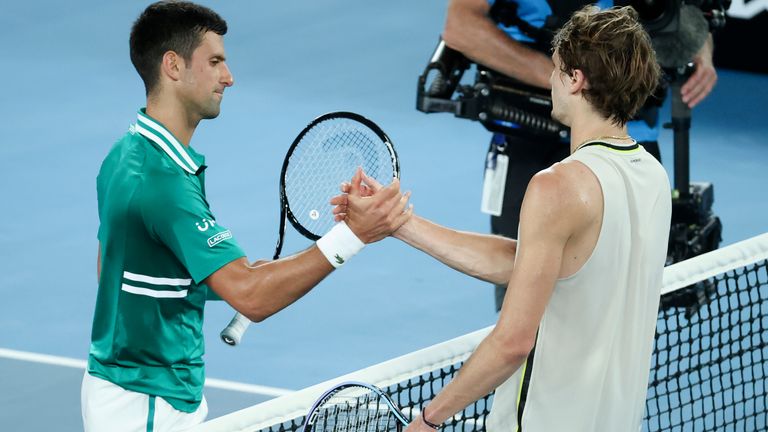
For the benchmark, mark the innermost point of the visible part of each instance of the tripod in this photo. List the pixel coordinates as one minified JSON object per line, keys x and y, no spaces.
{"x":694,"y":229}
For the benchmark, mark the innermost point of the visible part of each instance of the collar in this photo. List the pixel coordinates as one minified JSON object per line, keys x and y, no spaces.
{"x":153,"y":130}
{"x":613,"y":146}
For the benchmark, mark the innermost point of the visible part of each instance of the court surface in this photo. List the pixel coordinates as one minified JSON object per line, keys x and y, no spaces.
{"x":70,"y":92}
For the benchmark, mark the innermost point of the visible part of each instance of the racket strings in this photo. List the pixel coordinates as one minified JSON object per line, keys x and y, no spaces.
{"x":368,"y":413}
{"x":326,"y":156}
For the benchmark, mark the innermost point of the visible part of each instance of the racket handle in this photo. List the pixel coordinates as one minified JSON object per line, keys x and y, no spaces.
{"x":232,"y":334}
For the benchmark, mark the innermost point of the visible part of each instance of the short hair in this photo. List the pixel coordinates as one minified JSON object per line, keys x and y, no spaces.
{"x":615,"y":54}
{"x":177,"y":26}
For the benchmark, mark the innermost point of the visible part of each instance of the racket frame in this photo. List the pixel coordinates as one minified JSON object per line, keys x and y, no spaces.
{"x":286,"y":205}
{"x":325,"y":397}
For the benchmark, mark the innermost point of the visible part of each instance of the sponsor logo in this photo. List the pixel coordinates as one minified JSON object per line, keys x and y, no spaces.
{"x":747,"y":9}
{"x":218,"y":238}
{"x":207,"y":223}
{"x":339,"y":259}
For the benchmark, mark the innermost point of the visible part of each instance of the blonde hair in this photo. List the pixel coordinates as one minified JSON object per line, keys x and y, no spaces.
{"x":615,"y":54}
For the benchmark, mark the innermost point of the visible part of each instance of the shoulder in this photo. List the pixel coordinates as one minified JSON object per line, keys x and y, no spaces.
{"x":562,"y":183}
{"x":163,"y":188}
{"x":566,"y":191}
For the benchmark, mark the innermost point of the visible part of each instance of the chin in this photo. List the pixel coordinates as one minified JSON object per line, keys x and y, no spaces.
{"x":210,"y":113}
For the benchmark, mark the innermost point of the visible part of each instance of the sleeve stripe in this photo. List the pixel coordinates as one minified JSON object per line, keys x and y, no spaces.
{"x":156,"y":280}
{"x":154,"y":293}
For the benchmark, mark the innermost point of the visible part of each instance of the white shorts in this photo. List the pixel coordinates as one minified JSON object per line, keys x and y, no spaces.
{"x":109,"y":407}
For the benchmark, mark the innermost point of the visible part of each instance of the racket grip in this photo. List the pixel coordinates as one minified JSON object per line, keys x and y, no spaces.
{"x":233,"y":333}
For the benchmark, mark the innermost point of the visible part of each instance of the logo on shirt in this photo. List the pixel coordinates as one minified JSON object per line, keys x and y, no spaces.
{"x":207,"y":223}
{"x":218,"y":238}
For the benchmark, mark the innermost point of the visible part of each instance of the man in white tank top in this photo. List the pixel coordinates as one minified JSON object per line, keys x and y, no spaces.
{"x":572,"y":347}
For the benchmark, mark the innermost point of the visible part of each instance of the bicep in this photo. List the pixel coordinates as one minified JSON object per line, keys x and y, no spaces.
{"x":227,"y":281}
{"x":545,"y":227}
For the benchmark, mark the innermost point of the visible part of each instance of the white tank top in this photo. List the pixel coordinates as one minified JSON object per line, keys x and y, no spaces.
{"x":590,"y":365}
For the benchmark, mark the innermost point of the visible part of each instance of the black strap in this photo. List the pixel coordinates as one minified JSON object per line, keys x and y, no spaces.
{"x":505,"y":12}
{"x":525,"y":387}
{"x":612,"y":146}
{"x":427,"y":422}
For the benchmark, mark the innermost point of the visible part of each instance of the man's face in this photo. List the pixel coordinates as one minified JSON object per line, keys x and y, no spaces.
{"x":205,"y":77}
{"x":558,"y":81}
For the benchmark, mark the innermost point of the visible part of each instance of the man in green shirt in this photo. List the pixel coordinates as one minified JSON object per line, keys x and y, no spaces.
{"x":161,"y":249}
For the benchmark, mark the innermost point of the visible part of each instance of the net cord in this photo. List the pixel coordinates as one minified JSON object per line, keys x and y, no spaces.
{"x":714,"y":263}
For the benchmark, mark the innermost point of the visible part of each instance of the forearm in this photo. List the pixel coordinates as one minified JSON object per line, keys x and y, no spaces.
{"x":469,"y":30}
{"x":486,"y":257}
{"x":262,"y":289}
{"x":490,"y":365}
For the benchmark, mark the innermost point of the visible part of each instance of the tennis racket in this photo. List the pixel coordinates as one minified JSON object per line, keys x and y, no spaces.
{"x":325,"y":154}
{"x":354,"y":407}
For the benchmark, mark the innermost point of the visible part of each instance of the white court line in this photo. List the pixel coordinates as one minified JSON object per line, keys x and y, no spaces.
{"x":80,"y":364}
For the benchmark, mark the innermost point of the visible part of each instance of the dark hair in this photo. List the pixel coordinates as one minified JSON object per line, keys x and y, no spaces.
{"x":177,"y":26}
{"x":615,"y":54}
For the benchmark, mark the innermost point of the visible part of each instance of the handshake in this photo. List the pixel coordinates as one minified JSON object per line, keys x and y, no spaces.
{"x":370,"y":210}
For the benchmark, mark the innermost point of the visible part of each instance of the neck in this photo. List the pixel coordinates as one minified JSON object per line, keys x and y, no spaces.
{"x":172,"y":114}
{"x":594,"y":130}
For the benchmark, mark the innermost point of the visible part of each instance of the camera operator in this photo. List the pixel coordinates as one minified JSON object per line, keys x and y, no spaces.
{"x":521,"y":52}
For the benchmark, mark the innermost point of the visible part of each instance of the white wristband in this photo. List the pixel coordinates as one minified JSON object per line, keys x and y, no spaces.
{"x":339,"y":244}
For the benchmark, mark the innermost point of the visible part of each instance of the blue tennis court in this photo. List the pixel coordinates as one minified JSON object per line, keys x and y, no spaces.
{"x":71,"y":92}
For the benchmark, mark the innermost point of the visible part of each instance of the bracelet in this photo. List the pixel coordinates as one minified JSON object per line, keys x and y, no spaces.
{"x":427,"y":422}
{"x":339,"y":244}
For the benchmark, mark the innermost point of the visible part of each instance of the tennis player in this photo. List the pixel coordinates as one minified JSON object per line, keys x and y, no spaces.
{"x":572,"y":347}
{"x":161,"y":248}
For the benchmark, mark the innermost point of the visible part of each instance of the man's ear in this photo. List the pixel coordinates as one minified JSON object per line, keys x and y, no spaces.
{"x":578,"y":81}
{"x":171,"y":65}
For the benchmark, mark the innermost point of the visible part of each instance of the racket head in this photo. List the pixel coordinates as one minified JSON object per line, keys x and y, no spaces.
{"x":354,"y":406}
{"x":325,"y":154}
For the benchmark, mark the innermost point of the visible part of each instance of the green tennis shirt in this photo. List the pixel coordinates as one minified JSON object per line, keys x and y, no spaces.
{"x":159,"y":241}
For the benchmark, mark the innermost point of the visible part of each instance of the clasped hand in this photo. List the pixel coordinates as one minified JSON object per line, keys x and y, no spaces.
{"x":371,"y":211}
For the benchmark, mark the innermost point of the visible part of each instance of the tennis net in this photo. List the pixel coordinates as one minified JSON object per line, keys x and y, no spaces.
{"x":709,"y":364}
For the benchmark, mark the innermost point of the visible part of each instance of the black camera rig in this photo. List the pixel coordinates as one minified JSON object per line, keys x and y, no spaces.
{"x":501,"y":104}
{"x":505,"y":105}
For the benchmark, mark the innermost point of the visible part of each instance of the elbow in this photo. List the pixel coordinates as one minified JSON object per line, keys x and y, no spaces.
{"x":462,"y":22}
{"x":255,"y":304}
{"x":253,"y":310}
{"x":514,"y":348}
{"x":452,"y":34}
{"x":454,"y":30}
{"x":501,"y":263}
{"x":257,"y":315}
